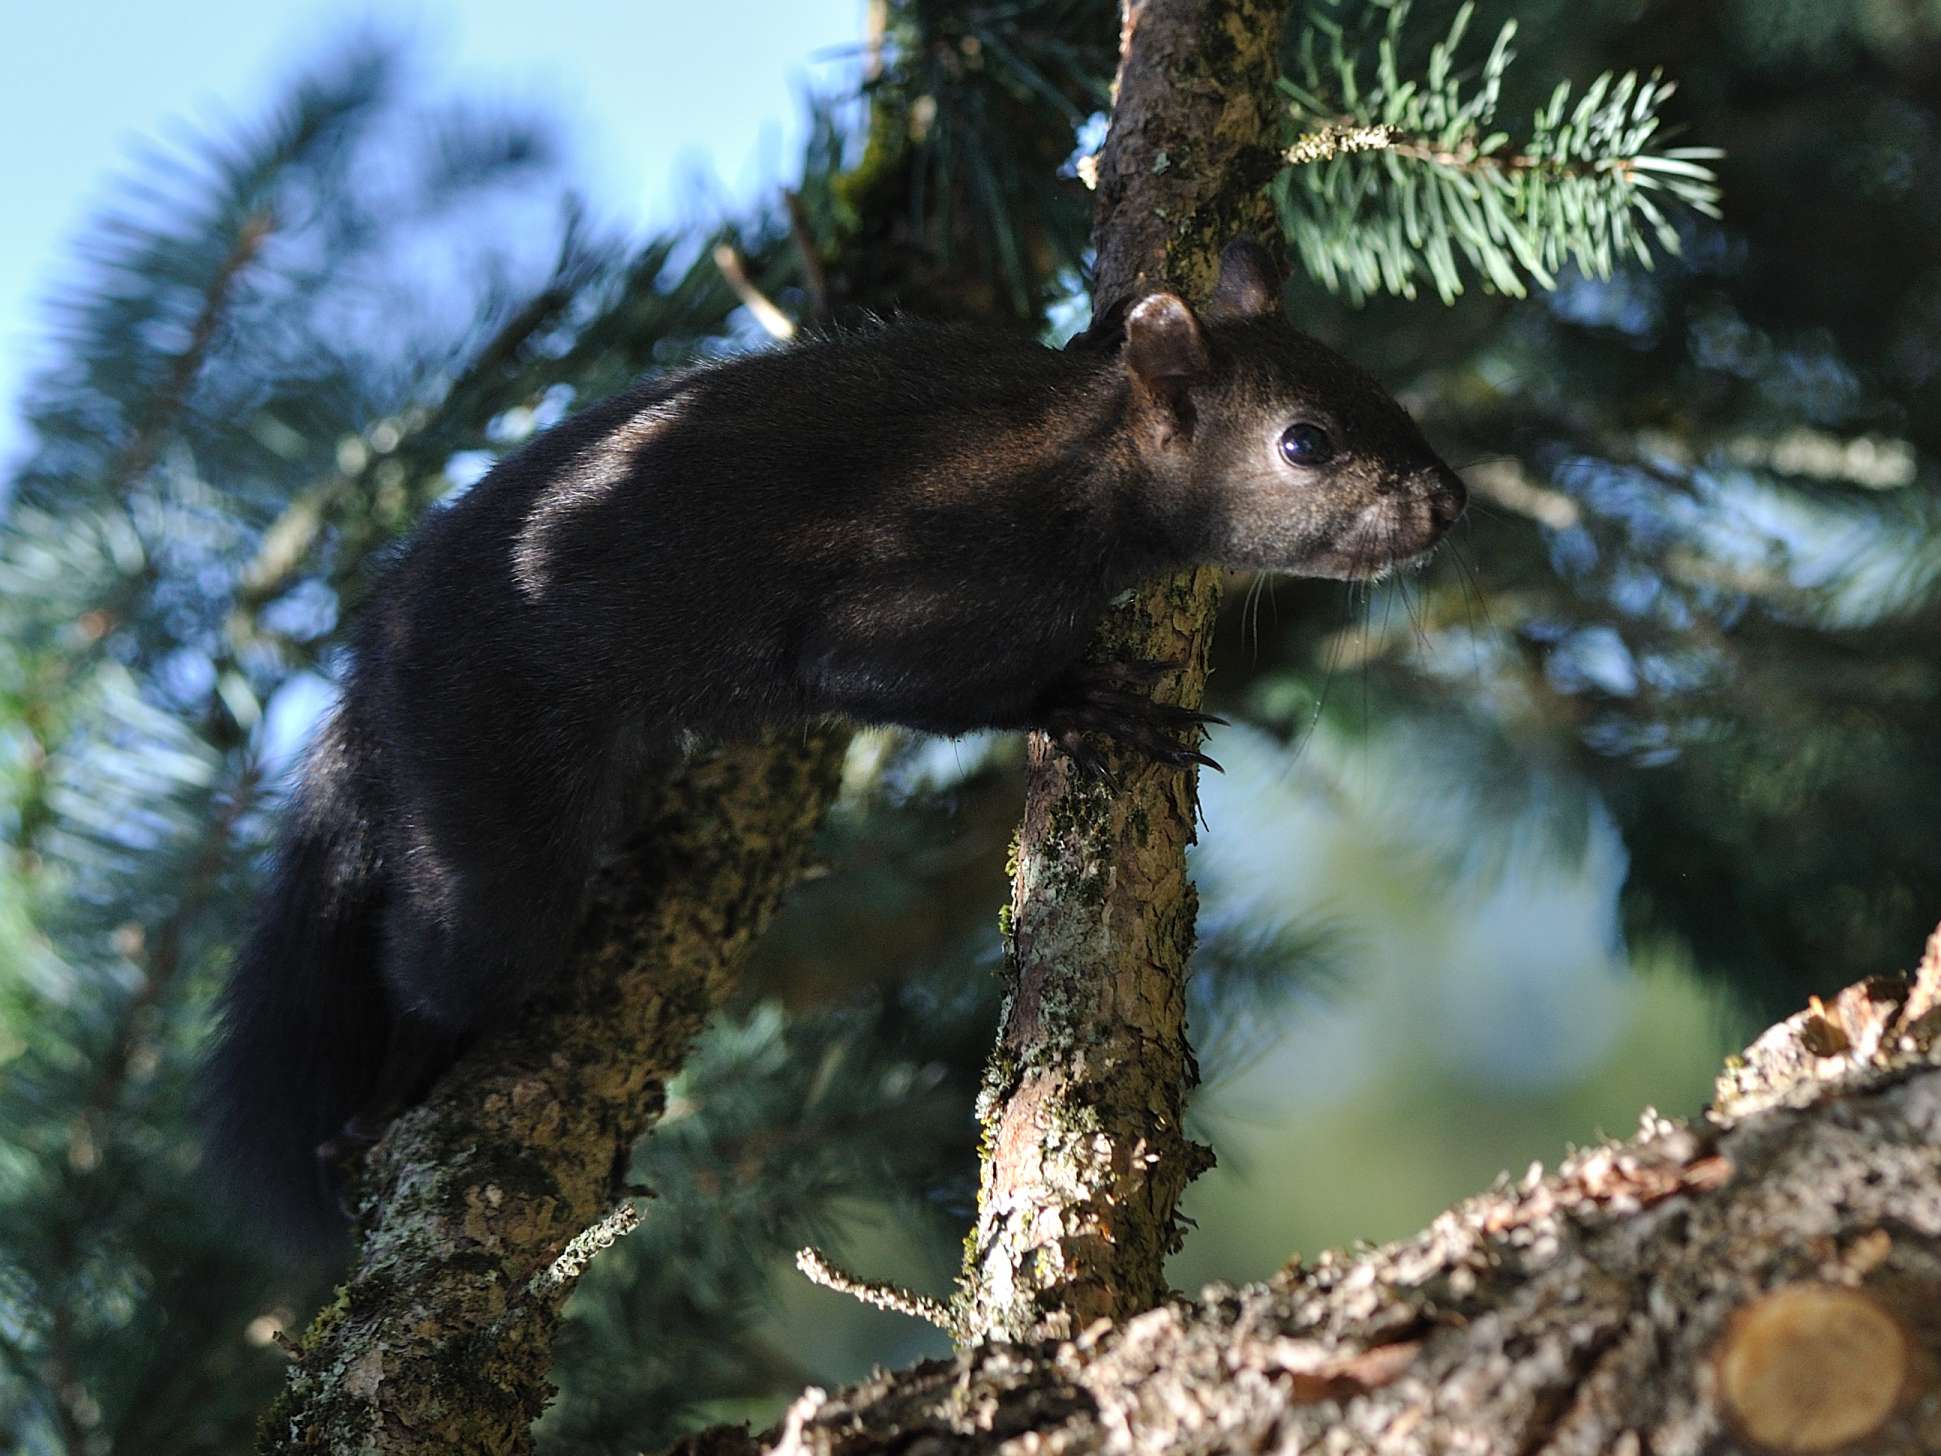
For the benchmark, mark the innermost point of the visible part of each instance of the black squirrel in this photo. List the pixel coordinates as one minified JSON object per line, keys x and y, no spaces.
{"x":905,"y":524}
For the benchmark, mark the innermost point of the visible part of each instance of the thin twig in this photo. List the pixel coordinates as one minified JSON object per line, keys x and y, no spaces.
{"x":817,"y":1269}
{"x":1347,"y":137}
{"x":778,"y":324}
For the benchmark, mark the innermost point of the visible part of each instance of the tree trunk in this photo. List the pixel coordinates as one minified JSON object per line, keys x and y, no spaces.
{"x":1083,"y":1105}
{"x":1766,"y":1280}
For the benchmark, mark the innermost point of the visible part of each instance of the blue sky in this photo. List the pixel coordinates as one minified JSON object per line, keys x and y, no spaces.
{"x":652,"y":92}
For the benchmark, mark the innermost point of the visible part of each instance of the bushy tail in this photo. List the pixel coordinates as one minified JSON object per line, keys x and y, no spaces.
{"x":304,"y":1020}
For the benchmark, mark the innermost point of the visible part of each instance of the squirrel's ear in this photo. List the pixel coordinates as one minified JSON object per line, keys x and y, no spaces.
{"x":1249,"y":285}
{"x":1164,"y":349}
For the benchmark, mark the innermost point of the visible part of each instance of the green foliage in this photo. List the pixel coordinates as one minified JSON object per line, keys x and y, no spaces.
{"x":1393,"y":175}
{"x":217,"y":455}
{"x":1696,"y":588}
{"x":779,"y":1127}
{"x":975,"y":110}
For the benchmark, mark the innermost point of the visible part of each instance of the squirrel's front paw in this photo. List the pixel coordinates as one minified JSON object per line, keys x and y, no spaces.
{"x":1109,"y":699}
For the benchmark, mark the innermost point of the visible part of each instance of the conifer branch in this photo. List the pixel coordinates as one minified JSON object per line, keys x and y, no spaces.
{"x":142,"y":447}
{"x":1390,"y":176}
{"x":285,"y":548}
{"x":163,"y":949}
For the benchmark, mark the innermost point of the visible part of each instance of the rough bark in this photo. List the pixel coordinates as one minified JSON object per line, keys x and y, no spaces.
{"x":480,"y":1207}
{"x":1765,"y":1280}
{"x":1085,"y":1156}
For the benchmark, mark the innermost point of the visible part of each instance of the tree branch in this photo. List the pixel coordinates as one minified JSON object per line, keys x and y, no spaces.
{"x":1766,"y":1279}
{"x":1086,"y":1156}
{"x":470,"y":1207}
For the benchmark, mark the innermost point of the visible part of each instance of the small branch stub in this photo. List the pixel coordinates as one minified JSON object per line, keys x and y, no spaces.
{"x":564,"y":1272}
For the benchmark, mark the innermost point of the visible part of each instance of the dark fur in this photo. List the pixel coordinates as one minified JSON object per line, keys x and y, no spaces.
{"x":909,"y":525}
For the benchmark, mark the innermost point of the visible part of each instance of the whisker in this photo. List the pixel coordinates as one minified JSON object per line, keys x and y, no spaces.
{"x":1367,"y":677}
{"x":1482,"y":508}
{"x":1469,"y":611}
{"x":1250,"y":610}
{"x":1335,"y":640}
{"x":1474,"y":571}
{"x":1417,"y":618}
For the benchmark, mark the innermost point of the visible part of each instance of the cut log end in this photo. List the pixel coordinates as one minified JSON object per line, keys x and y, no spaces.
{"x":1812,"y":1368}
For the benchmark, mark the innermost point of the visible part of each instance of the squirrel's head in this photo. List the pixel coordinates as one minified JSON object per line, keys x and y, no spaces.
{"x":1272,"y":450}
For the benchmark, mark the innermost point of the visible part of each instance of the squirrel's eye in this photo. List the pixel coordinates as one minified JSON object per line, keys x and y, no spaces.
{"x":1306,"y":445}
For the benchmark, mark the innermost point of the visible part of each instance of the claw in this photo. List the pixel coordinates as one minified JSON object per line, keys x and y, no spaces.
{"x":351,"y":1141}
{"x":1111,"y":701}
{"x":1118,"y":703}
{"x":1142,"y":670}
{"x":335,"y":1155}
{"x":1086,"y":759}
{"x":1193,"y":755}
{"x":1181,"y":717}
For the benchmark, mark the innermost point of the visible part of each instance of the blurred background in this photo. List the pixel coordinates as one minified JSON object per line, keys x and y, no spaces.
{"x":1505,"y":851}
